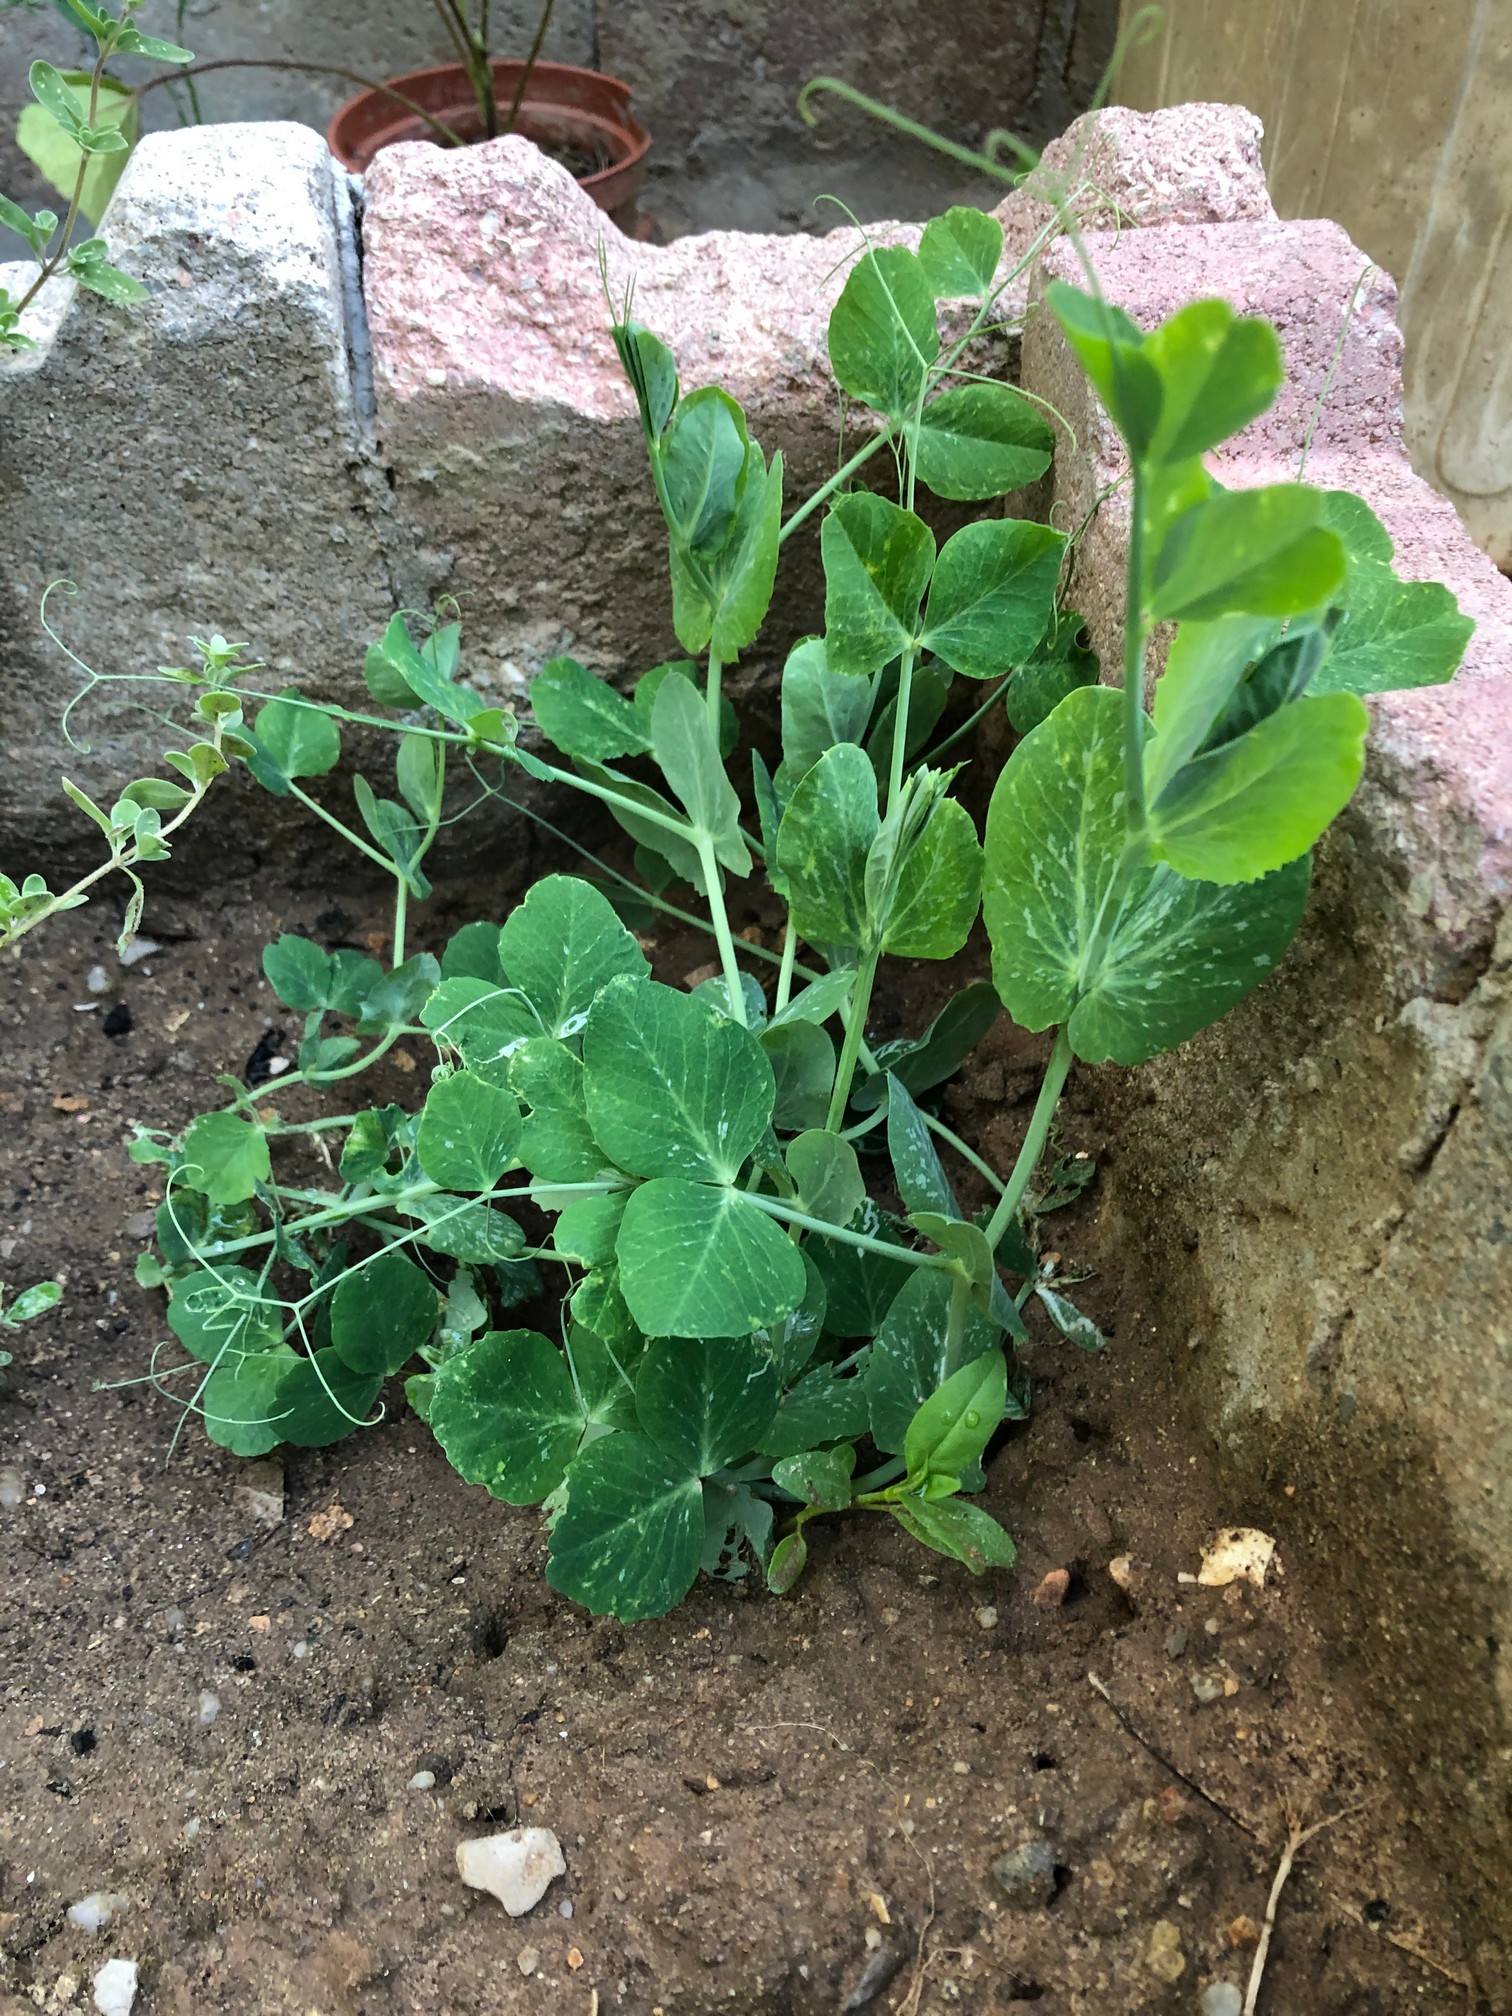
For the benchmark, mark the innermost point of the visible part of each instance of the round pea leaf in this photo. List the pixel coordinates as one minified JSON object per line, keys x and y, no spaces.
{"x":292,"y":738}
{"x":705,"y":1401}
{"x":226,"y":1158}
{"x":381,"y":1314}
{"x":628,"y":1542}
{"x":561,"y":946}
{"x":883,"y":335}
{"x":696,"y":1261}
{"x":505,"y":1411}
{"x":1173,"y":956}
{"x":469,"y":1131}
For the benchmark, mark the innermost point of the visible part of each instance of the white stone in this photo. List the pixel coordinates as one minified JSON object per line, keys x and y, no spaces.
{"x":209,"y":1708}
{"x":95,"y":1911}
{"x":115,"y":1988}
{"x":422,"y":1781}
{"x":517,"y":1867}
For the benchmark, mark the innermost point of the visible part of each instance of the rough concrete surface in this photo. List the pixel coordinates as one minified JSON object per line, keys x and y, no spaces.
{"x":191,"y":465}
{"x":1318,"y":1184}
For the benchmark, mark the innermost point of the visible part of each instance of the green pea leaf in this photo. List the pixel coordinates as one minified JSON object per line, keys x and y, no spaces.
{"x":587,"y":1228}
{"x":935,"y":901}
{"x":948,"y":1434}
{"x":1203,"y":669}
{"x":399,"y":997}
{"x":556,"y":1143}
{"x":485,"y":1022}
{"x":322,"y":1399}
{"x":1110,"y":349}
{"x":683,"y":743}
{"x":226,"y":1158}
{"x":1217,"y":371}
{"x":628,"y":1541}
{"x":1395,"y":633}
{"x":823,"y":843}
{"x":861,"y":1285}
{"x":819,"y":708}
{"x":980,"y":441}
{"x":300,"y":972}
{"x":907,"y":1362}
{"x":673,"y":1088}
{"x":606,"y":1376}
{"x":789,"y":1559}
{"x":583,"y":715}
{"x":292,"y":739}
{"x":652,"y":371}
{"x":704,"y":1402}
{"x":802,"y":1057}
{"x":820,"y":999}
{"x":744,"y":572}
{"x":820,"y":1478}
{"x":793,"y":1342}
{"x":1262,"y":800}
{"x":877,"y":563}
{"x":1174,"y":956}
{"x":922,"y":1062}
{"x":420,"y":771}
{"x":132,"y":42}
{"x":48,"y":133}
{"x":828,"y":1176}
{"x":1059,"y":666}
{"x":562,"y":946}
{"x":31,"y":1303}
{"x":922,"y":1182}
{"x":882,"y":332}
{"x":960,"y":251}
{"x":381,"y":1314}
{"x":506,"y":1413}
{"x":243,"y":1406}
{"x":222,"y":1315}
{"x":473,"y":954}
{"x":469,"y":1131}
{"x":961,"y":1532}
{"x":992,"y":598}
{"x":696,"y":1261}
{"x":1262,"y":552}
{"x":703,"y":459}
{"x":631,"y":800}
{"x":824,"y":1406}
{"x":465,"y":1229}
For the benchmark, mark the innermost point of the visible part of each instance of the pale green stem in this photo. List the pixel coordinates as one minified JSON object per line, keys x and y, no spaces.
{"x":967,"y":1154}
{"x":338,"y":826}
{"x":785,"y":971}
{"x":1034,"y":1140}
{"x":712,"y":693}
{"x":401,"y":913}
{"x":855,"y":1028}
{"x":1135,"y":635}
{"x":900,"y":725}
{"x":722,"y":935}
{"x":940,"y":1262}
{"x":842,"y":475}
{"x":955,"y":1324}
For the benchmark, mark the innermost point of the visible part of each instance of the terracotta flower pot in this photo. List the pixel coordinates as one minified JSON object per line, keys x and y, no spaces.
{"x":564,"y":110}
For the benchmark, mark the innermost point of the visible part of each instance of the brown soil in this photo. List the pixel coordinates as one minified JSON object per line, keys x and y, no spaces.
{"x":754,"y":1796}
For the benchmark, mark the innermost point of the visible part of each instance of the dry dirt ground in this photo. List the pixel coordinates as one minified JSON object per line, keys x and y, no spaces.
{"x":776,"y":1808}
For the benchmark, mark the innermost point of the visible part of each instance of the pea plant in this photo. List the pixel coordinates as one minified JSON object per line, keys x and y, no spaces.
{"x":773,"y":1305}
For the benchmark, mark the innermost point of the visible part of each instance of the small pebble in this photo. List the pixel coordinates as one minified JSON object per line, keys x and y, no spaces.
{"x":1027,"y":1873}
{"x":518,"y":1867}
{"x":115,"y":1988}
{"x":986,"y":1617}
{"x":1206,"y":1687}
{"x":565,"y":1907}
{"x":137,"y":950}
{"x":1177,"y":1641}
{"x":1221,"y":1998}
{"x":12,"y":1489}
{"x":97,"y":980}
{"x":422,"y":1781}
{"x":527,"y":1960}
{"x":1051,"y":1593}
{"x":95,"y":1911}
{"x":209,"y":1707}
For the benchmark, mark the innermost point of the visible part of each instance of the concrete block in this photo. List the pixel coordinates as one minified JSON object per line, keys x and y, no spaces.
{"x":193,"y":464}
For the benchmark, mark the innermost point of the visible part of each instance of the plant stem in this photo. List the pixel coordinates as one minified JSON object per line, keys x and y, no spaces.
{"x":47,"y":267}
{"x":956,"y":734}
{"x":712,"y":693}
{"x":855,"y":1029}
{"x":1034,"y":1140}
{"x":401,"y":911}
{"x":722,"y":935}
{"x":900,"y":725}
{"x":885,"y":1473}
{"x":785,"y":970}
{"x":842,"y":475}
{"x":967,"y":1153}
{"x":530,"y":63}
{"x":1135,"y":635}
{"x":775,"y":1208}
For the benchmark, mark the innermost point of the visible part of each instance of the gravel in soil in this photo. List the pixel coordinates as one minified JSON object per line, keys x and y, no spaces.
{"x":262,"y":1705}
